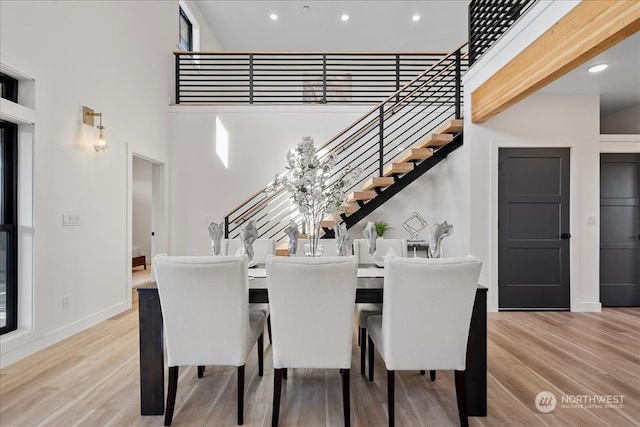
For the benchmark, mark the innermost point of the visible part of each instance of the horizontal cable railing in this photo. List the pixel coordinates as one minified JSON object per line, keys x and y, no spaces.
{"x":295,"y":78}
{"x":489,"y":20}
{"x":376,"y":140}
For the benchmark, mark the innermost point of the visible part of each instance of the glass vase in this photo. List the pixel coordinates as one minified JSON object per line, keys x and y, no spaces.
{"x":313,"y":248}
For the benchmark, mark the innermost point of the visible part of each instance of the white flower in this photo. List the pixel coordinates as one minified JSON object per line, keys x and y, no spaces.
{"x":313,"y":186}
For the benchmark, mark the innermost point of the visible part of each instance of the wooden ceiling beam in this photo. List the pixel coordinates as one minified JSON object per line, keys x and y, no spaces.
{"x":587,"y":30}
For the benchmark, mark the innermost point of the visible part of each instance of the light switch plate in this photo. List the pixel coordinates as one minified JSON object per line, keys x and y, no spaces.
{"x":592,"y":220}
{"x":70,"y":220}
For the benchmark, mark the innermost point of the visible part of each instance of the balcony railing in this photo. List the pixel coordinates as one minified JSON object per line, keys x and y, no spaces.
{"x":295,"y":78}
{"x":489,"y":20}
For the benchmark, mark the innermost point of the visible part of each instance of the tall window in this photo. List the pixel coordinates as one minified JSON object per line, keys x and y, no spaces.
{"x":8,"y":227}
{"x":8,"y":88}
{"x":186,"y":32}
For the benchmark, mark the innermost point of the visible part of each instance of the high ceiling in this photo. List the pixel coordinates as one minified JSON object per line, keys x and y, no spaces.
{"x":316,"y":25}
{"x":387,"y":26}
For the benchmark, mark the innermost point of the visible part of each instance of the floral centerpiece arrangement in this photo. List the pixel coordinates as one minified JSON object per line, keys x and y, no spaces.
{"x":314,"y":187}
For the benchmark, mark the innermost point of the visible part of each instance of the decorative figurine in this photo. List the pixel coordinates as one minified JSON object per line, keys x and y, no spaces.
{"x":248,"y":234}
{"x":371,"y":235}
{"x":340,"y":231}
{"x":215,"y":231}
{"x":292,"y":232}
{"x":437,"y":232}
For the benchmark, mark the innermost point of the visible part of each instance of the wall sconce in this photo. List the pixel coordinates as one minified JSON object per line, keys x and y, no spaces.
{"x":87,"y":118}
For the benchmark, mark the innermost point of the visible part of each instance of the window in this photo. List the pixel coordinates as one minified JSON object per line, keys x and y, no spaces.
{"x":8,"y":226}
{"x":8,"y":88}
{"x":186,"y":32}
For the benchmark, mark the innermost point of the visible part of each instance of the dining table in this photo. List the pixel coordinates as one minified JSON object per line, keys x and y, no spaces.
{"x":369,"y":289}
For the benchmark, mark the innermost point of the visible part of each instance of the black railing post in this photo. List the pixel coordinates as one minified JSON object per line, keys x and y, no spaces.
{"x":324,"y":79}
{"x":177,"y":77}
{"x":471,"y":32}
{"x":458,"y":84}
{"x":381,"y":144}
{"x":250,"y":78}
{"x":397,"y":77}
{"x":226,"y":227}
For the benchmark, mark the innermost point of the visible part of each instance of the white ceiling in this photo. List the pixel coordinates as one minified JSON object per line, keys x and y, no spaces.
{"x":386,"y":26}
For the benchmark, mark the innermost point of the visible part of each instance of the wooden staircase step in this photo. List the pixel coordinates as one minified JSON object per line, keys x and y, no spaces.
{"x":348,"y":209}
{"x":377,"y":182}
{"x":361,"y":195}
{"x":435,"y":140}
{"x":328,"y":223}
{"x":282,"y":249}
{"x":416,"y":154}
{"x":330,"y":220}
{"x":397,"y":168}
{"x":451,"y":126}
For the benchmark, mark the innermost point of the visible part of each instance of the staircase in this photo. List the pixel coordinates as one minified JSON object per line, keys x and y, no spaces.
{"x":415,"y":162}
{"x":393,"y":144}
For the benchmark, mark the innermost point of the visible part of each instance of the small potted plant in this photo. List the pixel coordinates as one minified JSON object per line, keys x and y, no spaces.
{"x":381,"y":228}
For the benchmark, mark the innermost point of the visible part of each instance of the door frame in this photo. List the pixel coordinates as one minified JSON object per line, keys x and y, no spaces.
{"x":620,"y":144}
{"x":159,"y":224}
{"x":578,"y":302}
{"x":562,"y":229}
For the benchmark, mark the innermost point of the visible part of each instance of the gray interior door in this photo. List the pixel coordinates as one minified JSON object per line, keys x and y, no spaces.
{"x":619,"y":230}
{"x":533,"y":229}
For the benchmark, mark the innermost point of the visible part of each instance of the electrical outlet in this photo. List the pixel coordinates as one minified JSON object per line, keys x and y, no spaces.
{"x":65,"y":301}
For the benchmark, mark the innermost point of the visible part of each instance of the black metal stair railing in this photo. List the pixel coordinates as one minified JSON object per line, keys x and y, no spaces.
{"x":489,"y":20}
{"x":376,"y":140}
{"x":294,"y":77}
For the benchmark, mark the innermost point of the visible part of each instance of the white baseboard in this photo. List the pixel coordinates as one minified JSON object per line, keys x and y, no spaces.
{"x":588,"y":307}
{"x":26,"y":344}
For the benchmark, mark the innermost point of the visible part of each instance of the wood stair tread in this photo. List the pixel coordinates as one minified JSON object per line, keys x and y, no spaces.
{"x":416,"y":154}
{"x":377,"y":182}
{"x":361,"y":195}
{"x":451,"y":126}
{"x":435,"y":140}
{"x":397,"y":168}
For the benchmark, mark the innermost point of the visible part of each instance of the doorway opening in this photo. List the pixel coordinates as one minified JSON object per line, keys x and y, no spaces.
{"x":146,"y":217}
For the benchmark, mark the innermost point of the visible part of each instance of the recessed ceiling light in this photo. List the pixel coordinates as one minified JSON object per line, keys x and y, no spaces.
{"x":415,"y":17}
{"x":344,"y":17}
{"x":273,"y":17}
{"x":597,"y":68}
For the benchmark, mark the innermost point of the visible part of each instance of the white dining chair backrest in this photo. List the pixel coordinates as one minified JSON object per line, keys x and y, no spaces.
{"x":361,"y":249}
{"x":261,"y":248}
{"x":427,"y":311}
{"x":312,"y":302}
{"x":328,"y":245}
{"x":205,"y":308}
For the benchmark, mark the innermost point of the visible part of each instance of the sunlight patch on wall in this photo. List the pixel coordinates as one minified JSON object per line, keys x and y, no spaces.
{"x":222,"y":142}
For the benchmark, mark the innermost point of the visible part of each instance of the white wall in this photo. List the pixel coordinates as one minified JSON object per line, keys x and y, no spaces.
{"x":203,"y":190}
{"x":141,"y":201}
{"x":104,"y":55}
{"x":538,"y":121}
{"x":542,"y":121}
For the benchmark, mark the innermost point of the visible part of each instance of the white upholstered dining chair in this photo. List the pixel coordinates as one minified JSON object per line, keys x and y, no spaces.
{"x":361,"y":252}
{"x":322,"y":290}
{"x":425,"y":319}
{"x":207,"y":321}
{"x":261,"y":249}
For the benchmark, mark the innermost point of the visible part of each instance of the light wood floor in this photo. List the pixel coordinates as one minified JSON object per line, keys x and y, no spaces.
{"x":91,"y":379}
